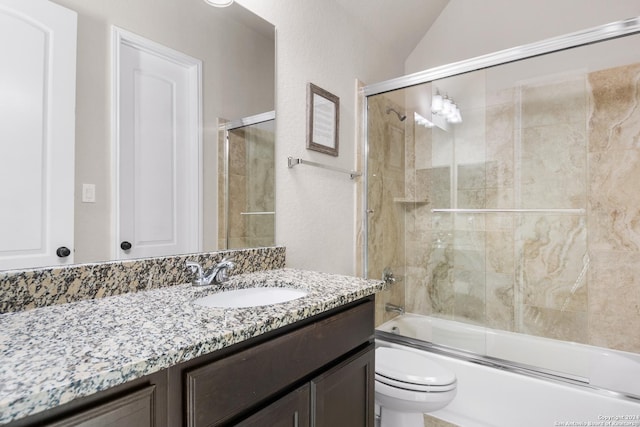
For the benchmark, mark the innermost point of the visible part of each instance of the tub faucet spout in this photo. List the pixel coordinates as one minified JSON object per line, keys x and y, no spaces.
{"x":392,"y":308}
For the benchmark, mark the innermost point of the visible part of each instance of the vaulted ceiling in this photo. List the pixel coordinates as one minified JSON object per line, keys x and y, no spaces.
{"x":402,"y":23}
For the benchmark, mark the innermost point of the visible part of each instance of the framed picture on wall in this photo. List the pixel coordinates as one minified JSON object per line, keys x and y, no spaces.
{"x":323,"y":120}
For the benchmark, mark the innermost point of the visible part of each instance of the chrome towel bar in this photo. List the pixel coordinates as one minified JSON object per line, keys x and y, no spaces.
{"x":548,"y":211}
{"x":292,"y":162}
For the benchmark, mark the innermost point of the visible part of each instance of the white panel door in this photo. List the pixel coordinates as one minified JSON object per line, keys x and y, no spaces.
{"x":37,"y":131}
{"x":158,"y":172}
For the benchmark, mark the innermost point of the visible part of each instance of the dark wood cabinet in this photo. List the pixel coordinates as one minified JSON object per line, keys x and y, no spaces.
{"x":138,"y":403}
{"x":292,"y":410}
{"x":222,"y":390}
{"x":318,"y":372}
{"x":132,"y":410}
{"x":344,"y":395}
{"x":340,"y":397}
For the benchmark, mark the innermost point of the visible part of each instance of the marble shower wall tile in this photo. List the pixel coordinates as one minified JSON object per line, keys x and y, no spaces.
{"x":552,"y":255}
{"x":22,"y":290}
{"x":550,"y":250}
{"x":614,"y":98}
{"x":614,"y":208}
{"x":614,"y":300}
{"x":500,"y":134}
{"x":572,"y":277}
{"x":552,"y":265}
{"x":251,"y":183}
{"x":388,"y":157}
{"x":553,"y":144}
{"x":553,"y":166}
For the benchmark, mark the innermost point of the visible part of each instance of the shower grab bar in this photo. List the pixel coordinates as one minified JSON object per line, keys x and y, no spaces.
{"x":558,"y":211}
{"x":292,"y":162}
{"x":257,"y":213}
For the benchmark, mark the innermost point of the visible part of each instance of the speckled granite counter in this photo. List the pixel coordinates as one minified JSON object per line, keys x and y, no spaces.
{"x":52,"y":355}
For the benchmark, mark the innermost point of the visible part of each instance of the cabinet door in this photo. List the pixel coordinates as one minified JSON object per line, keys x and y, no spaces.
{"x":133,"y":410}
{"x":291,"y":410}
{"x":227,"y":388}
{"x":344,"y":395}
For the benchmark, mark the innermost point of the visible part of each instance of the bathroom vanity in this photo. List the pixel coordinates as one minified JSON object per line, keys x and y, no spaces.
{"x":307,"y":362}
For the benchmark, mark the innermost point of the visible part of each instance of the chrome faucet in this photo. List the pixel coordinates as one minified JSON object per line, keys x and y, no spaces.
{"x":392,"y":308}
{"x":217,"y":276}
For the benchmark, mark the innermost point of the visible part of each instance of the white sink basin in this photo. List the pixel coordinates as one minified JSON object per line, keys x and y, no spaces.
{"x":250,"y":297}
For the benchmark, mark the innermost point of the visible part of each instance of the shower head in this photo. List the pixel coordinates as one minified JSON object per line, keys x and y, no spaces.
{"x":401,"y":117}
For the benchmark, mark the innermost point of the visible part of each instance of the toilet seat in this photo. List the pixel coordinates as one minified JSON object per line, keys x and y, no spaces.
{"x":411,"y":371}
{"x":415,"y":387}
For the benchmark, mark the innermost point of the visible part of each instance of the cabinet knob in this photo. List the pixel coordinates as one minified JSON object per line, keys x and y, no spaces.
{"x":125,"y":246}
{"x":63,"y":252}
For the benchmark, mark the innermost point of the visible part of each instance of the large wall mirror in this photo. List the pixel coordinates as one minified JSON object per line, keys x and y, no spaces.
{"x":237,"y":52}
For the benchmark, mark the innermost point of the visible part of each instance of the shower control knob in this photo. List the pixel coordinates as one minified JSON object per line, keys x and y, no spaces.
{"x":125,"y":246}
{"x":63,"y":252}
{"x":387,"y":276}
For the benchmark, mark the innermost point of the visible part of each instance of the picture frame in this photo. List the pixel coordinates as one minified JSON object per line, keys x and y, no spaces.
{"x":323,"y":120}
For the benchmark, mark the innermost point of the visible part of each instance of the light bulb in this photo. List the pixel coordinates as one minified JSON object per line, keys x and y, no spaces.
{"x":421,"y":121}
{"x":455,"y":118}
{"x":436,"y":103}
{"x":453,"y":111}
{"x":447,"y":104}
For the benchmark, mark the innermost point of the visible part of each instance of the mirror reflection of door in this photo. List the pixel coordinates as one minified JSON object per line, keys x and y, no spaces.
{"x":37,"y":133}
{"x":250,"y":183}
{"x":158,"y":201}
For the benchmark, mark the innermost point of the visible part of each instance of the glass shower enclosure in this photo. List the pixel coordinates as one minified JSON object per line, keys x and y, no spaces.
{"x":247,"y":183}
{"x":502,"y":193}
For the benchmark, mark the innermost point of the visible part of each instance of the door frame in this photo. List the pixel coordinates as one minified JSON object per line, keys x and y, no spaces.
{"x":121,"y":37}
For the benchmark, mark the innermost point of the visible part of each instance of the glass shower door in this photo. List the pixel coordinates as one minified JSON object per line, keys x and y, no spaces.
{"x":250,"y":183}
{"x":513,"y":231}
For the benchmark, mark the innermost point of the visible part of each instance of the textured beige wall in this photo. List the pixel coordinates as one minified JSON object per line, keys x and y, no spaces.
{"x":318,"y":42}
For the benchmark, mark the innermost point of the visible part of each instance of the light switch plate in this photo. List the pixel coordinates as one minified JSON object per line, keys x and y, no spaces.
{"x":88,"y":193}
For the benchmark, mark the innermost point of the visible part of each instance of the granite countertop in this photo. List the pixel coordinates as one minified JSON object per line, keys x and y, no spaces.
{"x":52,"y":355}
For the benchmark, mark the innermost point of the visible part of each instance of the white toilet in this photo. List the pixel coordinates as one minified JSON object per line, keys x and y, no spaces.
{"x":408,"y":385}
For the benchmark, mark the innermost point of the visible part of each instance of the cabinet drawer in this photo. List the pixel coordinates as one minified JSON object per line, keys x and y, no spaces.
{"x":133,"y":410}
{"x":225,"y":388}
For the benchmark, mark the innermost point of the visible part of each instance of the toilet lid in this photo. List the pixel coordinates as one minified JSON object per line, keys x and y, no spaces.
{"x":411,"y":367}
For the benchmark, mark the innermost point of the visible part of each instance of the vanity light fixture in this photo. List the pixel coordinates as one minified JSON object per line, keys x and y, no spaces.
{"x":445,"y":107}
{"x":219,"y":3}
{"x":421,"y":121}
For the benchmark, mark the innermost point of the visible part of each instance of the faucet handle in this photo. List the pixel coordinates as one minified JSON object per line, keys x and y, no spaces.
{"x":222,"y":269}
{"x":388,"y":276}
{"x":196,"y":268}
{"x":230,"y":263}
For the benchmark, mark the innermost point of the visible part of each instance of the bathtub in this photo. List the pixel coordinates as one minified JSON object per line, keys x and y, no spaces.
{"x":578,"y":385}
